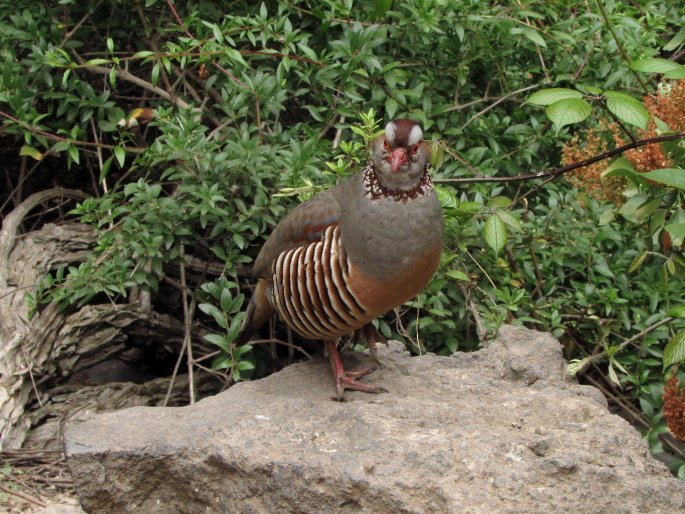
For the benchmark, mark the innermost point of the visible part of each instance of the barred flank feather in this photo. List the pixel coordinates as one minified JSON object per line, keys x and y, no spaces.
{"x":310,"y":290}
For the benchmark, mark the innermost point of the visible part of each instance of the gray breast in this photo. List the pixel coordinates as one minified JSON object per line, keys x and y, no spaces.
{"x":381,"y":236}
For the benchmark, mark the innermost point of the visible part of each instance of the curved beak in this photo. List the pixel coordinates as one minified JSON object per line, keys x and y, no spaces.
{"x":398,"y":157}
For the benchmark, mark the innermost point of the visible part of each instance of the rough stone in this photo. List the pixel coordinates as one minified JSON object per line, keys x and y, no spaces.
{"x":62,"y":508}
{"x":499,"y":430}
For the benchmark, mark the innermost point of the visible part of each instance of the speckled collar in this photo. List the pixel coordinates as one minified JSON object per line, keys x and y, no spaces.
{"x":375,"y":190}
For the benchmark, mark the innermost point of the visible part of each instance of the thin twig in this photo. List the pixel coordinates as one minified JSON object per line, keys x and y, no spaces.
{"x":69,"y":34}
{"x":618,"y":122}
{"x":621,"y":50}
{"x":190,"y":35}
{"x":537,"y":47}
{"x":580,"y":69}
{"x":481,"y":268}
{"x":556,"y":172}
{"x":279,"y":341}
{"x":187,"y":322}
{"x":29,"y":367}
{"x":75,"y":142}
{"x":129,"y":77}
{"x":23,"y":496}
{"x":496,"y":103}
{"x":471,"y":306}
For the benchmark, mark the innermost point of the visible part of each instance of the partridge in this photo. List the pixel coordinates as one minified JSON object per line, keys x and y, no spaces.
{"x":354,"y":252}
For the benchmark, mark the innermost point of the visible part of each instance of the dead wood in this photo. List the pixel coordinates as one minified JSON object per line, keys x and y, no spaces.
{"x":40,"y":354}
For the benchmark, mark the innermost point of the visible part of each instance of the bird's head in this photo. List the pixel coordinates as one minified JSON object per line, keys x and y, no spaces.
{"x":400,"y":155}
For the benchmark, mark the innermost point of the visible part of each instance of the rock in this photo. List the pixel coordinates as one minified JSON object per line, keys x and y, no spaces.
{"x":62,"y":508}
{"x":499,"y":430}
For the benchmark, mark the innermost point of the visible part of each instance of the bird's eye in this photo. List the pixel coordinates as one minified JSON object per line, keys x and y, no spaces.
{"x":386,"y":145}
{"x":415,"y":149}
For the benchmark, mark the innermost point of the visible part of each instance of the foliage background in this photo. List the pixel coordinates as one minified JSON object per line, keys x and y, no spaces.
{"x":241,"y":111}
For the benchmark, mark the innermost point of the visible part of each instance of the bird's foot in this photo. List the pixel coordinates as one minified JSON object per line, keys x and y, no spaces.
{"x":373,"y":336}
{"x":349,"y":379}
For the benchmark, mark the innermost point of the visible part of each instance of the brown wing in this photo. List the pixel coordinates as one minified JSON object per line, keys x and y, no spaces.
{"x":304,"y":224}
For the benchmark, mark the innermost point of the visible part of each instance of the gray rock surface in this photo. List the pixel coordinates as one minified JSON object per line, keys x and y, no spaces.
{"x":499,"y":430}
{"x":62,"y":508}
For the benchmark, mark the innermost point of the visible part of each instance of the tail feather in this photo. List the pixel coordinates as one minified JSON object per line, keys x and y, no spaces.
{"x":258,"y":311}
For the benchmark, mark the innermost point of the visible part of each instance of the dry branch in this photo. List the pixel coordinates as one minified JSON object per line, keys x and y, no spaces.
{"x":40,"y":352}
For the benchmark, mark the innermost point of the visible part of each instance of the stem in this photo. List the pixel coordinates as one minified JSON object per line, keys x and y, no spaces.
{"x":622,"y":50}
{"x":187,"y":321}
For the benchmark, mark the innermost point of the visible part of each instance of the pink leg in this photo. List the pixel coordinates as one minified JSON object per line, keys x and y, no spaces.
{"x":348,"y":379}
{"x":372,"y":337}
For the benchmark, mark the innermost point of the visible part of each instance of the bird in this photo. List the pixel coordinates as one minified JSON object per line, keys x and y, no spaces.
{"x":353,"y":252}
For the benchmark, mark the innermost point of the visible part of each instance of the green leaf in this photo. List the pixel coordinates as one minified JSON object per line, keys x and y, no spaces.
{"x":437,"y":156}
{"x":565,"y":112}
{"x":676,"y":312}
{"x":669,"y":265}
{"x":675,"y":349}
{"x":622,"y":167}
{"x":677,"y":233}
{"x":216,"y":31}
{"x":226,"y":300}
{"x":637,"y":261}
{"x":587,"y":89}
{"x":676,"y":41}
{"x":236,"y":323}
{"x":381,"y":7}
{"x":218,"y":340}
{"x":612,"y":373}
{"x":95,"y":62}
{"x":675,"y":74}
{"x":155,"y":74}
{"x":627,"y":109}
{"x":549,"y":96}
{"x":120,"y":155}
{"x":531,"y":34}
{"x":245,"y":366}
{"x":655,"y":65}
{"x":673,"y":177}
{"x":73,"y":154}
{"x":215,"y":313}
{"x":607,"y":217}
{"x":495,"y":233}
{"x":29,"y":151}
{"x":647,"y":209}
{"x":391,"y":106}
{"x":575,"y":365}
{"x":458,"y":275}
{"x":499,"y":202}
{"x":509,"y":220}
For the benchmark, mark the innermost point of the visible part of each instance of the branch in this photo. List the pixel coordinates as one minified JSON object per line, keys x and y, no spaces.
{"x":129,"y":77}
{"x":75,"y":142}
{"x":497,"y":102}
{"x":552,"y":174}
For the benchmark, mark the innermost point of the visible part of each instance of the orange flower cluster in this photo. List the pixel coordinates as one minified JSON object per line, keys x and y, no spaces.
{"x":674,"y":407}
{"x":668,"y":105}
{"x":589,"y":178}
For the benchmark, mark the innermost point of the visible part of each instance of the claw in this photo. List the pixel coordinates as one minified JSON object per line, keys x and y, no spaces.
{"x":349,"y":379}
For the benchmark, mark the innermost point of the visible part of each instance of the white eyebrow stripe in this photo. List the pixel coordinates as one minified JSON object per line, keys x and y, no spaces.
{"x":390,"y":132}
{"x":415,"y":136}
